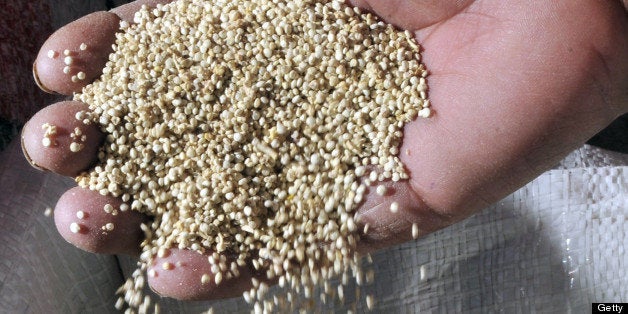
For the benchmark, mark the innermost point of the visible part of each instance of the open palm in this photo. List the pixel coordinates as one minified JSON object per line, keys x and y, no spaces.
{"x":514,"y":87}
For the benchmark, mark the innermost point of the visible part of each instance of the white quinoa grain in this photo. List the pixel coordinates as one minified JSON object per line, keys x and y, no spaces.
{"x":370,"y":301}
{"x":415,"y":231}
{"x":46,"y":142}
{"x":162,"y":252}
{"x":152,"y":273}
{"x":218,"y":278}
{"x":394,"y":207}
{"x":80,"y":214}
{"x":425,"y":113}
{"x":381,"y":190}
{"x":205,"y":278}
{"x":75,"y":147}
{"x":52,"y":54}
{"x":119,"y":304}
{"x":75,"y":227}
{"x":108,"y":208}
{"x":167,"y":266}
{"x":124,"y":207}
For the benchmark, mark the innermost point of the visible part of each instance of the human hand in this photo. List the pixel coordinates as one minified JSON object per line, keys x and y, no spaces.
{"x":515,"y":87}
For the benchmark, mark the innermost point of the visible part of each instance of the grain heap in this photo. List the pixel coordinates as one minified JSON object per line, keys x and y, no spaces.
{"x":247,"y":127}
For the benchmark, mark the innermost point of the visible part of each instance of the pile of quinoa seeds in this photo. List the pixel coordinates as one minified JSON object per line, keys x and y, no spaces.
{"x":252,"y":129}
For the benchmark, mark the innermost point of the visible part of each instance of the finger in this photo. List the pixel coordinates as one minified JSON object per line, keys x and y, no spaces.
{"x":97,"y":223}
{"x":75,"y":54}
{"x":188,"y":275}
{"x":54,"y":139}
{"x":88,"y":42}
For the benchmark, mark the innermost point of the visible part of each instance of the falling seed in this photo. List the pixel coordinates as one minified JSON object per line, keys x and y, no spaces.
{"x":74,"y":79}
{"x":83,"y":46}
{"x":415,"y":231}
{"x":80,"y":214}
{"x":80,"y":75}
{"x":52,"y":54}
{"x":66,"y":52}
{"x":370,"y":301}
{"x":394,"y":207}
{"x":366,"y":228}
{"x":370,"y":276}
{"x":119,"y":304}
{"x":75,"y":228}
{"x":109,"y":226}
{"x":341,"y":293}
{"x":48,"y":212}
{"x":167,"y":266}
{"x":108,"y":208}
{"x":68,"y":60}
{"x":66,"y":69}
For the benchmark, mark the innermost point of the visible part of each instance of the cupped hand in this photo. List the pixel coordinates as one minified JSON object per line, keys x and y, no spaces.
{"x":514,"y":87}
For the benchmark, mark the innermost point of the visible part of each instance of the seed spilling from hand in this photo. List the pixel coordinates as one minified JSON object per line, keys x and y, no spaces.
{"x":246,"y":126}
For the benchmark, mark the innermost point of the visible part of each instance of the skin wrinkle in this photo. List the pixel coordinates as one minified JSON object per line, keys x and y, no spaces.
{"x":424,"y":13}
{"x":600,"y":75}
{"x":476,"y":27}
{"x":387,"y":229}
